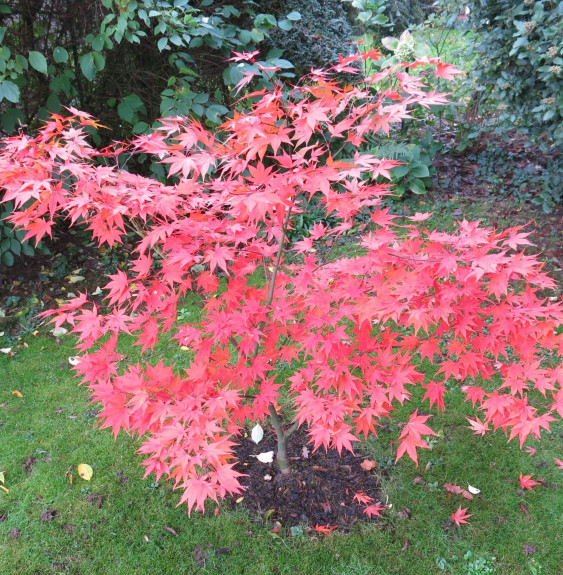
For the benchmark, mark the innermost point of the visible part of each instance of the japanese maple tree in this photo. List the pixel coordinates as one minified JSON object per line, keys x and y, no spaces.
{"x":353,"y":330}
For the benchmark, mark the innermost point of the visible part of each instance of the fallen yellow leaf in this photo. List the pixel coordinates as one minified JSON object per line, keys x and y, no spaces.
{"x":85,"y":471}
{"x":17,"y":393}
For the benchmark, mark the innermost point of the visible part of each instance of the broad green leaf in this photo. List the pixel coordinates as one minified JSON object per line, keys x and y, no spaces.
{"x":10,"y":119}
{"x":38,"y":61}
{"x":417,"y":186}
{"x":87,"y":66}
{"x":60,"y":55}
{"x":420,"y":171}
{"x":400,"y":171}
{"x":295,"y":16}
{"x":8,"y":258}
{"x":140,"y":128}
{"x":99,"y":61}
{"x":285,"y":25}
{"x":390,"y":43}
{"x":98,"y":43}
{"x":380,"y":19}
{"x":9,"y":91}
{"x":162,"y":43}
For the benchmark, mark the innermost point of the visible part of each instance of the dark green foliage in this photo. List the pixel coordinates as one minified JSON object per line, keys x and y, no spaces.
{"x":519,"y":72}
{"x":11,"y":242}
{"x":403,"y":14}
{"x":127,"y":62}
{"x":520,"y":64}
{"x":324,"y":32}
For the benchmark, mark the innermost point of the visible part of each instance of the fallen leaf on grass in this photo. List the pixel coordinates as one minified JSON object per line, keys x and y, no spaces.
{"x":404,"y":513}
{"x":325,"y":529}
{"x":473,"y":490}
{"x":59,"y":331}
{"x":526,"y":481}
{"x":460,"y":516}
{"x":49,"y":514}
{"x":529,"y":549}
{"x":559,"y":463}
{"x":27,"y":465}
{"x":531,"y":451}
{"x":406,"y":545}
{"x":368,"y":464}
{"x":170,"y":530}
{"x":69,"y":528}
{"x":15,"y":533}
{"x":5,"y":350}
{"x":374,"y":510}
{"x":85,"y":471}
{"x":451,"y":488}
{"x":17,"y":393}
{"x":200,"y":556}
{"x":524,"y":509}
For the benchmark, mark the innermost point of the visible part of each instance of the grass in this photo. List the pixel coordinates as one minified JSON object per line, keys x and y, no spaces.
{"x":127,"y":531}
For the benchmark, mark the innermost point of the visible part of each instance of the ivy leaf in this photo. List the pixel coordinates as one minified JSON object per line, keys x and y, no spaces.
{"x":38,"y":61}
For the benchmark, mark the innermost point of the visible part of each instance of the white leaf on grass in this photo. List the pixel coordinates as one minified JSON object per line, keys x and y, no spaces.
{"x":473,"y":490}
{"x":97,"y":291}
{"x":6,"y":350}
{"x":257,"y":433}
{"x":74,"y":360}
{"x":266,"y":457}
{"x":59,"y":331}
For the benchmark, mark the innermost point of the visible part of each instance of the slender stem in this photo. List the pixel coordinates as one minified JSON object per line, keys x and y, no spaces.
{"x":278,"y":258}
{"x":282,"y":440}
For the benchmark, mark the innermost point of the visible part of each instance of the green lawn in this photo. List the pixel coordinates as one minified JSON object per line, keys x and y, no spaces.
{"x":119,"y":523}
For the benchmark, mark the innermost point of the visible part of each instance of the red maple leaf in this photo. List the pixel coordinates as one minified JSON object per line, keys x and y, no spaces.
{"x":362,"y":498}
{"x":479,"y":427}
{"x":374,"y":510}
{"x":559,"y":463}
{"x":526,"y":481}
{"x":460,"y":516}
{"x":446,"y":71}
{"x":410,"y":437}
{"x":325,"y":529}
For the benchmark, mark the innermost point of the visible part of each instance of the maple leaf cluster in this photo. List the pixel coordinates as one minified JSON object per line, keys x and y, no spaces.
{"x":354,"y":330}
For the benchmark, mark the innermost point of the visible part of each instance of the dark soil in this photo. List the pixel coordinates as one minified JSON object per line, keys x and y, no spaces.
{"x":319,"y":491}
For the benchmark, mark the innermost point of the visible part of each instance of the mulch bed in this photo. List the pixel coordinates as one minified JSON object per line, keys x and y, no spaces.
{"x":320,"y":490}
